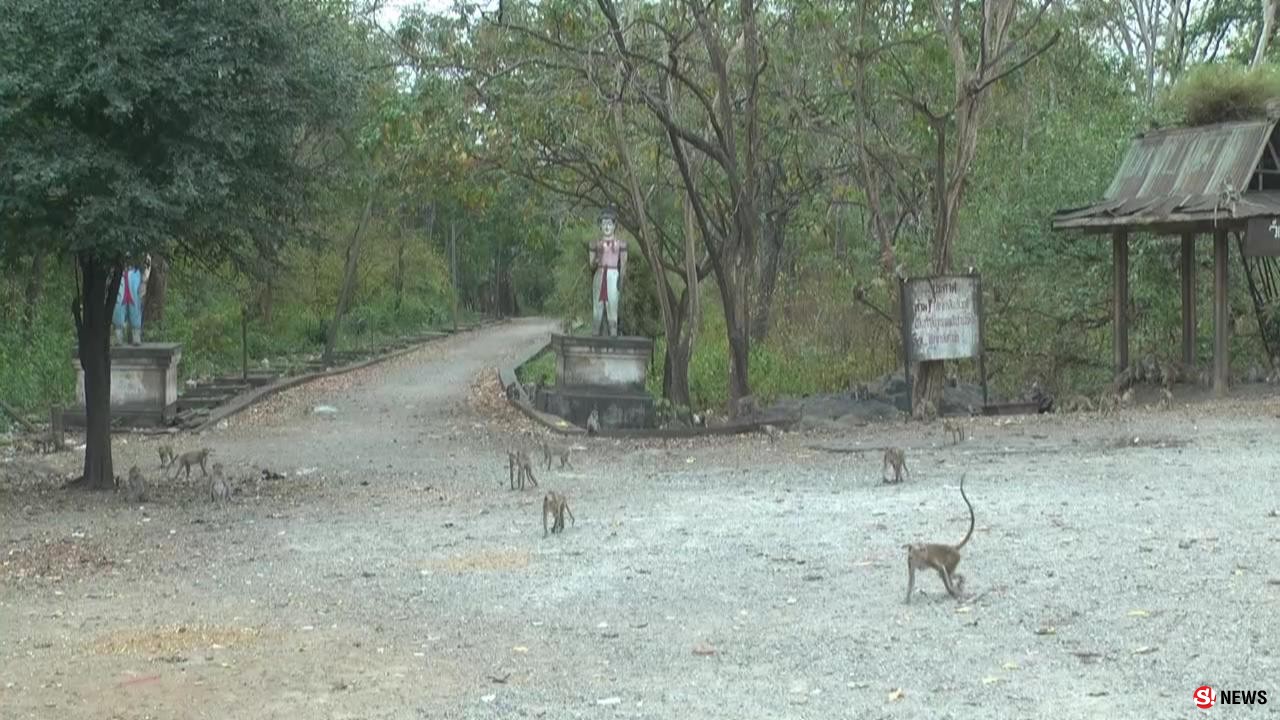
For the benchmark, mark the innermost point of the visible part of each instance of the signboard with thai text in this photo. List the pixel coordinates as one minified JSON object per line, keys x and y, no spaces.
{"x":941,"y":317}
{"x":1262,"y":237}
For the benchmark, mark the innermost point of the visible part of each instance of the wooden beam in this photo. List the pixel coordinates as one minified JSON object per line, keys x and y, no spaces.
{"x":1120,"y":299}
{"x":1221,"y":316}
{"x":1189,"y":301}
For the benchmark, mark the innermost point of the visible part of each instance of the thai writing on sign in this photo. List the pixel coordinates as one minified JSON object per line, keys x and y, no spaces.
{"x":941,"y":317}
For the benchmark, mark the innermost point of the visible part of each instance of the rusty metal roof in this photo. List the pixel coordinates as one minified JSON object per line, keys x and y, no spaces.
{"x":1183,"y":176}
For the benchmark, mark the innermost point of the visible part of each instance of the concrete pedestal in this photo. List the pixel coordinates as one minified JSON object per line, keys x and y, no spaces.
{"x":144,"y":384}
{"x":602,"y":373}
{"x":617,"y":362}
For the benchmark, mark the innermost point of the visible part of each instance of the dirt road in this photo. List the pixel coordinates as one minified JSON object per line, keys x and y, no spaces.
{"x":1118,"y":564}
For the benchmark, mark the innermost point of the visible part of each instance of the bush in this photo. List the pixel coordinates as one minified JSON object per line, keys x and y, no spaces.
{"x":1223,"y":92}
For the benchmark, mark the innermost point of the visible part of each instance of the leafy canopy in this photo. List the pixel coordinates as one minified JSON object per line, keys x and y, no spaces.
{"x":134,"y":126}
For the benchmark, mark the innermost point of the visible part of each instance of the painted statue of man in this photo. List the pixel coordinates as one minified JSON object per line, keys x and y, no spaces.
{"x":129,"y":302}
{"x":609,"y":261}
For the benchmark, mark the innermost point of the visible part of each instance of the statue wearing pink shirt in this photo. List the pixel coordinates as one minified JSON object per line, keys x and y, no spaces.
{"x":609,"y":260}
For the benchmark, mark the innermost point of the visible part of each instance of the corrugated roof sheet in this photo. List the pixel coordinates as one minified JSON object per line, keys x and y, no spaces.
{"x":1183,"y":175}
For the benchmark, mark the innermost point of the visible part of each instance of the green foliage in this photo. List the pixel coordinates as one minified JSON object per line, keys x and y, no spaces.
{"x":541,"y":369}
{"x":133,"y":127}
{"x":1223,"y":92}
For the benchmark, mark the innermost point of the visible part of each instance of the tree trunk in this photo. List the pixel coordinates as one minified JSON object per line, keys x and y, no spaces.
{"x":92,"y":312}
{"x":153,"y":299}
{"x":266,"y":296}
{"x":397,"y":281}
{"x":34,"y":291}
{"x":348,"y":276}
{"x":775,"y":229}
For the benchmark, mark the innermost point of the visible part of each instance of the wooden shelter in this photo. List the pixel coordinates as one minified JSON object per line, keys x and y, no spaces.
{"x":1212,"y":179}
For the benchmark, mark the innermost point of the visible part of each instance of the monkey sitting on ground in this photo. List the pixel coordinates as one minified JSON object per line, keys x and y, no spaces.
{"x":940,"y":557}
{"x":520,"y":466}
{"x":897,"y":458}
{"x":550,"y":450}
{"x":954,"y":430}
{"x":135,"y":486}
{"x":555,"y":505}
{"x":219,"y":490}
{"x":190,"y":458}
{"x":167,"y":455}
{"x":593,"y":422}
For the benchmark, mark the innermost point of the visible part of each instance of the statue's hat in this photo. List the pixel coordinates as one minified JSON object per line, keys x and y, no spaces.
{"x":608,"y":213}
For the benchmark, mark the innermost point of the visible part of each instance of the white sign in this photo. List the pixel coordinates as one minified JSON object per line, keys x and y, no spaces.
{"x":940,"y":318}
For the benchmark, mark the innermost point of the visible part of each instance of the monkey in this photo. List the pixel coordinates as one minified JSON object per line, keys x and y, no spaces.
{"x":940,"y":557}
{"x":166,"y":455}
{"x":189,"y":458}
{"x":1166,"y":399}
{"x":555,"y":505}
{"x":550,"y":450}
{"x":897,"y":458}
{"x":771,"y":432}
{"x":593,"y":422}
{"x":1076,"y":403}
{"x":135,"y":486}
{"x":954,"y":430}
{"x":1108,"y":402}
{"x":219,"y":490}
{"x":519,"y":467}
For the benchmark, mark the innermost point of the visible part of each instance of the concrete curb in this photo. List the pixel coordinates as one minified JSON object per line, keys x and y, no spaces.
{"x":239,"y":403}
{"x":559,"y":425}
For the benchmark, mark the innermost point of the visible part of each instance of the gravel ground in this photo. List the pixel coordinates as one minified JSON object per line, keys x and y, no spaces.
{"x":1118,"y":563}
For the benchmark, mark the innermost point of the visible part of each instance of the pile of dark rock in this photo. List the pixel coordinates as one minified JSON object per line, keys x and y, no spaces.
{"x":887,"y":398}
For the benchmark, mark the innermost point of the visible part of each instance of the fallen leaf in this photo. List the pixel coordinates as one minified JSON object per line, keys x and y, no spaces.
{"x":703,"y":650}
{"x":1047,"y":630}
{"x":609,"y":701}
{"x":1144,"y":650}
{"x":963,"y":609}
{"x":1096,"y":693}
{"x":896,"y":695}
{"x":1138,"y":613}
{"x":992,"y":680}
{"x":520,"y":649}
{"x":1010,"y":666}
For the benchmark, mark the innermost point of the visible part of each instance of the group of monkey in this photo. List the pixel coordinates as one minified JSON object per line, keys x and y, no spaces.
{"x":554,"y":504}
{"x":135,"y":485}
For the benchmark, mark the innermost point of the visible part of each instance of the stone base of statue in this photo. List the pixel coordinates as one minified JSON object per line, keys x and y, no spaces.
{"x":601,"y":373}
{"x":144,"y":385}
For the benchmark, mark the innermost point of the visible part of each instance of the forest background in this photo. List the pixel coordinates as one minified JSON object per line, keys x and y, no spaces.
{"x":775,"y":166}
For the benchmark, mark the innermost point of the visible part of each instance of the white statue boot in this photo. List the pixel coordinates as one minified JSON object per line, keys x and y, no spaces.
{"x":136,"y":335}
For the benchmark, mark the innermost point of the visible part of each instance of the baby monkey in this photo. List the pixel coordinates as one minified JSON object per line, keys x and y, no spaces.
{"x":520,"y":466}
{"x":550,"y":451}
{"x":135,"y":486}
{"x":186,"y":460}
{"x":555,"y":505}
{"x":943,"y":558}
{"x":219,"y":490}
{"x":897,"y":458}
{"x":167,"y":455}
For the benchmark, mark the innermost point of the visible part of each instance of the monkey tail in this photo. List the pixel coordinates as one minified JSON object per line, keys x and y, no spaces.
{"x":971,"y":517}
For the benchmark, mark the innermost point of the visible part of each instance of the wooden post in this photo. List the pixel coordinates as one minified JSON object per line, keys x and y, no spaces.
{"x":453,"y":268}
{"x":57,"y":438}
{"x":1120,"y":299}
{"x":1221,"y":316}
{"x":1189,"y":301}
